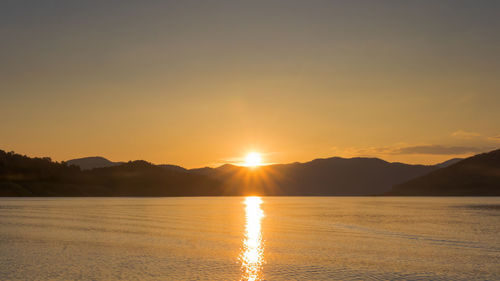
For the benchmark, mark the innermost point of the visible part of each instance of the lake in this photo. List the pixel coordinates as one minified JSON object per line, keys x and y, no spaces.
{"x":250,"y":238}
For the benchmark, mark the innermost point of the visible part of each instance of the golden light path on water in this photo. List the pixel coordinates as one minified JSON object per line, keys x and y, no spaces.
{"x":252,"y":256}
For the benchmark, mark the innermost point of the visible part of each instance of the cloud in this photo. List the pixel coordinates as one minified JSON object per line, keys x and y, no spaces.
{"x":465,"y":135}
{"x":440,"y":150}
{"x":494,"y":138}
{"x":405,"y":149}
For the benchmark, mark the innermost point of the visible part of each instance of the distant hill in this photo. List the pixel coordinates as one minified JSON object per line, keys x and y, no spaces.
{"x":88,"y":163}
{"x":475,"y":176}
{"x":173,"y":167}
{"x":24,"y":176}
{"x":331,"y":176}
{"x":448,"y":162}
{"x":97,"y":176}
{"x":141,"y":178}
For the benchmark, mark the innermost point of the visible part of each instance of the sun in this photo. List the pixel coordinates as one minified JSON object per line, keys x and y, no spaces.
{"x":253,"y":159}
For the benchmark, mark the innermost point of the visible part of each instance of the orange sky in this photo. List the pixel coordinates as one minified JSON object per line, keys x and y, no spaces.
{"x":195,"y":84}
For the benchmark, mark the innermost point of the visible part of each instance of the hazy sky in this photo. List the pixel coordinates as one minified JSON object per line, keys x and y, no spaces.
{"x":199,"y":83}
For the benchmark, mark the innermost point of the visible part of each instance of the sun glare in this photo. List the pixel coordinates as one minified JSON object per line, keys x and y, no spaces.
{"x":253,"y":159}
{"x":252,"y":257}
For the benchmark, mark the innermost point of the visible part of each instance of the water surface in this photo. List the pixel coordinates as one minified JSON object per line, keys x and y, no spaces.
{"x":237,"y":238}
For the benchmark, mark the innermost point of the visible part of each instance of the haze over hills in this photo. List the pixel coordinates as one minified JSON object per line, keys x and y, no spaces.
{"x":25,"y":176}
{"x":477,"y":175}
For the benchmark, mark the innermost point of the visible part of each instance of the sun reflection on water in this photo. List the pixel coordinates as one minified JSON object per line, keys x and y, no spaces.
{"x":252,"y":256}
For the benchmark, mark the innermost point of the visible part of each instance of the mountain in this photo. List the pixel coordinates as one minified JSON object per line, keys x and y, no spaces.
{"x":89,"y":163}
{"x":448,"y":162}
{"x":141,"y":178}
{"x":331,"y":176}
{"x":97,"y":176}
{"x":172,"y":167}
{"x":24,"y":176}
{"x":475,"y":176}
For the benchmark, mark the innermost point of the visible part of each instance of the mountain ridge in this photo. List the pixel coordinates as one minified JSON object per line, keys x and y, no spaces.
{"x":78,"y":162}
{"x":92,"y":162}
{"x":477,"y":175}
{"x":335,"y":176}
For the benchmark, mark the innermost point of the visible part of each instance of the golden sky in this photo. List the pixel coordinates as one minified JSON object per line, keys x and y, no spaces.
{"x":199,"y":83}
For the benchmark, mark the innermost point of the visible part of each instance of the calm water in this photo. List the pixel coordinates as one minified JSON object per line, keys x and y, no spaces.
{"x":237,"y":238}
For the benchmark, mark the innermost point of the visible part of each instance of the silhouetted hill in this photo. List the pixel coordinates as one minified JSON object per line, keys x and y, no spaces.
{"x":202,"y":171}
{"x":88,"y":163}
{"x":331,"y":176}
{"x":140,"y":178}
{"x":475,"y":176}
{"x":448,"y":162}
{"x":25,"y":176}
{"x":173,"y":167}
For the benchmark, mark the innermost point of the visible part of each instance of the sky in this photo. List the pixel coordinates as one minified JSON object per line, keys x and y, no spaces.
{"x":201,"y":83}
